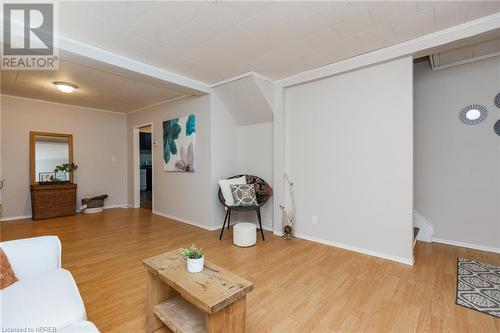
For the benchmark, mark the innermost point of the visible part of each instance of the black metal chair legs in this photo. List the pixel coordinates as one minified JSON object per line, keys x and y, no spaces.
{"x":228,"y":219}
{"x":222,"y":230}
{"x":260,"y":224}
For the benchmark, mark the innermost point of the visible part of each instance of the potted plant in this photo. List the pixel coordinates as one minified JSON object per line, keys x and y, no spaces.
{"x":66,"y":168}
{"x":195,"y":259}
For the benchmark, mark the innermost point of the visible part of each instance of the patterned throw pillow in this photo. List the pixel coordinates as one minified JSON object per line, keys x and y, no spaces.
{"x":7,"y":276}
{"x":244,"y":195}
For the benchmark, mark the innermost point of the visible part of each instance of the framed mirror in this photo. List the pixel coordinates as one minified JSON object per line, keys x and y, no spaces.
{"x":47,"y":151}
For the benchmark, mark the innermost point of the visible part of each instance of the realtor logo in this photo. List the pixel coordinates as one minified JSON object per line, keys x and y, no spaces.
{"x":28,"y":37}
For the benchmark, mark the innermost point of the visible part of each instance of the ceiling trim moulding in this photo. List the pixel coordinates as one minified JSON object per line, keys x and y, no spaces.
{"x":64,"y":104}
{"x":170,"y":100}
{"x":239,"y":77}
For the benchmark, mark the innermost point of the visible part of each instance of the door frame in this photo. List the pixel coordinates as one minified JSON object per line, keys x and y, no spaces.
{"x":137,"y":167}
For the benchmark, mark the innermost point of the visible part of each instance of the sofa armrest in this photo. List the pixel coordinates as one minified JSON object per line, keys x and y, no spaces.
{"x":32,"y":256}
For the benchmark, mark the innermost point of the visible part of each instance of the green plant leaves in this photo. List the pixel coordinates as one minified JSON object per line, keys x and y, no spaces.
{"x":193,"y":252}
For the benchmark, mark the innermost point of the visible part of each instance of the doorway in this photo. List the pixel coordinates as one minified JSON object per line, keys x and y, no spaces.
{"x":144,"y":157}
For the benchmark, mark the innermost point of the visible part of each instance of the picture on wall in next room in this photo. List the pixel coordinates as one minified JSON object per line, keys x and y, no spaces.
{"x":178,"y":144}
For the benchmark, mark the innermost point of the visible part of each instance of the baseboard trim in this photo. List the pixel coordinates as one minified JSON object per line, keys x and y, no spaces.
{"x":117,"y":206}
{"x":13,"y":218}
{"x":352,"y":248}
{"x":23,"y":217}
{"x":180,"y":219}
{"x":466,"y":245}
{"x":199,"y":225}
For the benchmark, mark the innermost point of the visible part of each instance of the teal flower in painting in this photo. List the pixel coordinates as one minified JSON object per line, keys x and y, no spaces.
{"x":190,"y":125}
{"x":171,"y":131}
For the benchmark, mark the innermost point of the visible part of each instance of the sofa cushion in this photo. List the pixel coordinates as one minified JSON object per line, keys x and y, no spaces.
{"x":50,"y":299}
{"x":7,"y":276}
{"x":79,"y":327}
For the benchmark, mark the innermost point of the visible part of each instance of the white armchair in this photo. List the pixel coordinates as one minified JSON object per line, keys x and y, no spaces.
{"x":33,"y":256}
{"x":46,"y":295}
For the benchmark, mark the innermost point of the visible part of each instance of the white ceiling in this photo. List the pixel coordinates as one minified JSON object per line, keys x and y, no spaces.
{"x":212,"y":41}
{"x":467,"y":49}
{"x":98,"y":87}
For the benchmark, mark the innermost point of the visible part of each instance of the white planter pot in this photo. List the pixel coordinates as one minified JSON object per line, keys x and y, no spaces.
{"x":195,"y":265}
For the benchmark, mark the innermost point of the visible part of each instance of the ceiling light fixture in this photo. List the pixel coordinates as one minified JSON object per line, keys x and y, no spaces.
{"x":65,"y":87}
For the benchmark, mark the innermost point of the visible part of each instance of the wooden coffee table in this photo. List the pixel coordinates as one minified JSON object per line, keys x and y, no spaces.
{"x":213,"y":300}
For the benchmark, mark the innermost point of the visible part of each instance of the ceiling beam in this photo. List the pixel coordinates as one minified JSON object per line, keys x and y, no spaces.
{"x":88,"y":51}
{"x":74,"y":50}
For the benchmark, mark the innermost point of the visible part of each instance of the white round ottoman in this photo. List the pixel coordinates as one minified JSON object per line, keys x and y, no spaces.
{"x":244,"y":234}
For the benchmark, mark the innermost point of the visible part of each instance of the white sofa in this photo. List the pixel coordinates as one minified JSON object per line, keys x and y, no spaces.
{"x":46,"y":295}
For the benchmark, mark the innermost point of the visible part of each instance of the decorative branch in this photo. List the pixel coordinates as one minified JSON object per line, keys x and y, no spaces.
{"x":289,"y":221}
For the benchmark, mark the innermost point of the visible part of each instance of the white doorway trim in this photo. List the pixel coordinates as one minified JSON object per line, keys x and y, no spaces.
{"x":137,"y":167}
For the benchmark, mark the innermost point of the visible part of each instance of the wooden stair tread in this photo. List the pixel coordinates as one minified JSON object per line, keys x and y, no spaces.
{"x":415,"y":232}
{"x":180,"y":316}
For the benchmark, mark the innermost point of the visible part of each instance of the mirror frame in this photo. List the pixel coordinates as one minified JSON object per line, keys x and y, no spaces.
{"x":33,"y":135}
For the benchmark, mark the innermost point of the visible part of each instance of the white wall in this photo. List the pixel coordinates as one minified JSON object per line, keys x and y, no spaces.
{"x":223,"y":149}
{"x":97,"y":137}
{"x":240,"y":149}
{"x":255,"y":157}
{"x":457,"y":167}
{"x":349,"y":150}
{"x":224,"y":157}
{"x":1,"y":177}
{"x":184,"y":196}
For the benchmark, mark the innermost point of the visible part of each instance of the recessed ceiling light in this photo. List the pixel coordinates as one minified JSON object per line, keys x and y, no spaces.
{"x":65,"y":87}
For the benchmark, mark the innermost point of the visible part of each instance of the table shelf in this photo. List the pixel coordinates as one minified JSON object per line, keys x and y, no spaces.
{"x":212,"y":301}
{"x":180,"y":316}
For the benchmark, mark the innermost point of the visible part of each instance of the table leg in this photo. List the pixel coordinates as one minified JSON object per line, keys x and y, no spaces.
{"x":158,"y":292}
{"x":231,"y":319}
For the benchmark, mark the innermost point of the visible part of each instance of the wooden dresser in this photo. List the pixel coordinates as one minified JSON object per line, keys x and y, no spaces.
{"x":53,"y":200}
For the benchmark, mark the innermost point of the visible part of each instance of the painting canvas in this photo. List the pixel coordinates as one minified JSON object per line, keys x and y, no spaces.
{"x":178,"y":144}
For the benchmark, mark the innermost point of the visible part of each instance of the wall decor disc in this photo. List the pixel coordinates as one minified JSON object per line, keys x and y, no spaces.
{"x":473,"y":114}
{"x":496,"y":128}
{"x":497,"y":100}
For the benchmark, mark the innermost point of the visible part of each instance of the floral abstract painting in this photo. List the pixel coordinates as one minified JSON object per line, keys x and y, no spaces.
{"x":178,"y":144}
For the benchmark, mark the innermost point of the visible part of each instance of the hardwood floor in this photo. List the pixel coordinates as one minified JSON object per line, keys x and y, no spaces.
{"x":300,"y":286}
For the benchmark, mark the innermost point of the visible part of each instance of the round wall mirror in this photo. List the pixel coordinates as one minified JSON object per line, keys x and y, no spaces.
{"x":473,"y":114}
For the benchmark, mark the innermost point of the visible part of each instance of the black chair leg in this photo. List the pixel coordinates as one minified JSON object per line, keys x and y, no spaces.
{"x":229,"y":220}
{"x":222,"y":230}
{"x":260,"y":224}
